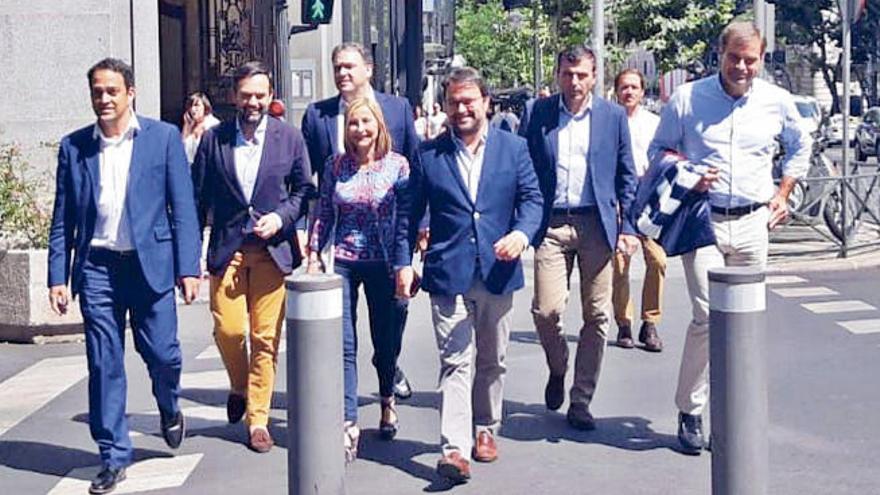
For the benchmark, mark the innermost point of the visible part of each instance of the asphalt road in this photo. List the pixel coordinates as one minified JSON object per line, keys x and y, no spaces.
{"x":822,"y":389}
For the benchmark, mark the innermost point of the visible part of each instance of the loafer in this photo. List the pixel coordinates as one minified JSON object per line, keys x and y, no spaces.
{"x":648,"y":336}
{"x":106,"y":480}
{"x":174,"y":431}
{"x":402,"y":389}
{"x":579,"y":418}
{"x":236,"y":405}
{"x":454,"y":467}
{"x":554,"y":392}
{"x":485,"y":449}
{"x":690,"y":433}
{"x":625,"y":337}
{"x":261,"y":441}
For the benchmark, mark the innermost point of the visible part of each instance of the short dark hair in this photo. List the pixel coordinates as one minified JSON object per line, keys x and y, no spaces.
{"x":354,"y":47}
{"x":626,"y":72}
{"x":199,"y":96}
{"x":251,"y":69}
{"x":575,"y":53}
{"x":740,"y":30}
{"x":115,"y":65}
{"x":465,"y":75}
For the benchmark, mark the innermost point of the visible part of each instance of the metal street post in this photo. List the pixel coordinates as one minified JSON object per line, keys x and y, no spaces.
{"x":315,"y":455}
{"x":738,"y":380}
{"x":845,"y":15}
{"x":598,"y":42}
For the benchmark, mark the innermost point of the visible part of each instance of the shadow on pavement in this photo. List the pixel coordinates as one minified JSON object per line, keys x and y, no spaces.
{"x":531,"y":337}
{"x":56,"y":460}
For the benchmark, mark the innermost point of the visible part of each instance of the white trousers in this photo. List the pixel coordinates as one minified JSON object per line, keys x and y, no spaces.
{"x":741,"y":241}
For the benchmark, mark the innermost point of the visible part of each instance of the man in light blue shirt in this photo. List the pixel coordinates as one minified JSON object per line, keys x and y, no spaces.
{"x":726,"y":125}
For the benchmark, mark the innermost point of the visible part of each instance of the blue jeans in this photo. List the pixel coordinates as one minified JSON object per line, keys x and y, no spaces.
{"x":387,"y":320}
{"x":113,"y":287}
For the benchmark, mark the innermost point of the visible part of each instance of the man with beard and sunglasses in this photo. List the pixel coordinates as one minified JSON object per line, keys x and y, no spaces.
{"x":252,"y":176}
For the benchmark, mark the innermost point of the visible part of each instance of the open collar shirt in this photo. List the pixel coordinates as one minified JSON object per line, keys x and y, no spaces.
{"x":736,"y":135}
{"x":248,"y":154}
{"x":572,"y":167}
{"x":112,"y":227}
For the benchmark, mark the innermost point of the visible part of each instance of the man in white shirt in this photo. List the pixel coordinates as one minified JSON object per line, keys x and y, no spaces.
{"x":726,"y":124}
{"x":124,"y":215}
{"x":629,"y":85}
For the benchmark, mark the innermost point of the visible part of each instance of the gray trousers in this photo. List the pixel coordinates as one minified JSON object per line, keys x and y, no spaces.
{"x":571,"y":238}
{"x":472,"y":332}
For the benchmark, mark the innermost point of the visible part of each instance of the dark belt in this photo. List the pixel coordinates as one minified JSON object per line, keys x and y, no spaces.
{"x":112,"y":254}
{"x":574,"y":211}
{"x":738,"y":211}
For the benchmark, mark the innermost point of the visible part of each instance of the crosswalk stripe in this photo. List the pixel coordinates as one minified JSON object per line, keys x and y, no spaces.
{"x":212,"y":352}
{"x":152,"y":474}
{"x":804,"y":291}
{"x":33,"y":388}
{"x":205,"y":379}
{"x":861,"y":326}
{"x":197,"y":418}
{"x":783,"y":279}
{"x":838,"y":306}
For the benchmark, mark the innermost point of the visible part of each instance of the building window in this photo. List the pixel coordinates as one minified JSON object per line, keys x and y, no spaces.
{"x":303,"y":85}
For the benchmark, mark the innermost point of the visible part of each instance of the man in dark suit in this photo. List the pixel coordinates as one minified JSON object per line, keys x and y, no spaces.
{"x":124,"y":216}
{"x":485,"y":203}
{"x":323,"y":126}
{"x":252,"y":174}
{"x":580,"y":145}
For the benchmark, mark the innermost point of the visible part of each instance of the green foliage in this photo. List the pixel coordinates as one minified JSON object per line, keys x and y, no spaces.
{"x":24,"y":219}
{"x":678,"y":32}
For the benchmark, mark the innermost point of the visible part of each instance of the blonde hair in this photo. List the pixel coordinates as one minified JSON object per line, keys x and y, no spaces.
{"x":383,"y":139}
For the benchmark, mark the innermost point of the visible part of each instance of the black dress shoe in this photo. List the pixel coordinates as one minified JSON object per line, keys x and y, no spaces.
{"x":554,"y":392}
{"x":690,"y":433}
{"x":235,"y":408}
{"x":579,"y":418}
{"x":625,"y":337}
{"x":648,"y":336}
{"x":402,"y":390}
{"x":174,"y":430}
{"x":106,"y":480}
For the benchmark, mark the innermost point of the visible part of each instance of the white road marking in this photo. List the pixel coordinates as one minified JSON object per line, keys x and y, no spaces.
{"x":33,"y":388}
{"x":205,"y":379}
{"x":197,"y":418}
{"x":152,"y":474}
{"x":783,"y":279}
{"x":212,"y":352}
{"x":838,"y":306}
{"x":861,"y":326}
{"x":804,"y":291}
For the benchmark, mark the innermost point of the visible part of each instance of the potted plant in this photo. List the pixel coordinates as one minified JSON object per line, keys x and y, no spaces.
{"x":25,"y":215}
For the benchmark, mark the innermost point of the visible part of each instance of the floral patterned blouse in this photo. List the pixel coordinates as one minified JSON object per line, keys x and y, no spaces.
{"x":360,"y":203}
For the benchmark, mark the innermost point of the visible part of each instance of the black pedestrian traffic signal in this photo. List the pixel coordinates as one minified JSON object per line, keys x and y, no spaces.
{"x":316,"y":11}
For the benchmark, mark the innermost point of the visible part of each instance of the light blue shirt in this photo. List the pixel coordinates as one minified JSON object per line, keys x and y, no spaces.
{"x":736,"y":135}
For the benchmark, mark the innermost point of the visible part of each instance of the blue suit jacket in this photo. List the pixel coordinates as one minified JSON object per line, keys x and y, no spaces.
{"x":463,"y":231}
{"x":612,"y":172}
{"x":283,"y":182}
{"x":158,"y":202}
{"x":319,"y":128}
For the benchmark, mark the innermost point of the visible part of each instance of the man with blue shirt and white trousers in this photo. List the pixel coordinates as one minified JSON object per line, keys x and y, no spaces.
{"x":726,"y":125}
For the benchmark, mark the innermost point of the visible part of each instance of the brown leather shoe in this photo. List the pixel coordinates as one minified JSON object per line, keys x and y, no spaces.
{"x":625,"y":337}
{"x":485,"y":449}
{"x":648,"y":336}
{"x":261,"y":441}
{"x":454,"y":467}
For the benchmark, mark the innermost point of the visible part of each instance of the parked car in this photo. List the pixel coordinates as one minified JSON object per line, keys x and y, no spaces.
{"x":809,"y":112}
{"x":835,"y":129}
{"x":868,"y":135}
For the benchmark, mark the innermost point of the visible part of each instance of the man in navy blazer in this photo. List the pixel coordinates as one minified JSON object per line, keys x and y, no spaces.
{"x":323,"y":129}
{"x":124,"y":218}
{"x":252,"y":177}
{"x":485,"y":203}
{"x":580,"y":145}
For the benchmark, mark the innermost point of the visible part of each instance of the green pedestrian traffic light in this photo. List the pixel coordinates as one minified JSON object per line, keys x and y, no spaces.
{"x":316,"y":11}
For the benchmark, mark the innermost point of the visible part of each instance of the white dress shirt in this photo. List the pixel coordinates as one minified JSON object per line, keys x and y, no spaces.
{"x":642,"y":125}
{"x":248,"y":154}
{"x":112,"y":229}
{"x":572,"y":187}
{"x":736,"y":135}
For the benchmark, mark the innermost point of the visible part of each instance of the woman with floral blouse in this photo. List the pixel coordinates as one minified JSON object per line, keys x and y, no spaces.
{"x":357,"y":209}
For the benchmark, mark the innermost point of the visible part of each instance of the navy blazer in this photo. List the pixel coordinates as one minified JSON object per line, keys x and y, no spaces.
{"x":158,"y":202}
{"x":319,"y":128}
{"x":612,"y":171}
{"x":463,"y":231}
{"x":283,"y":181}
